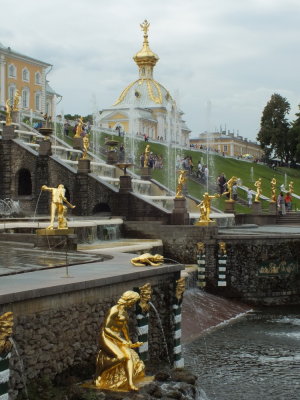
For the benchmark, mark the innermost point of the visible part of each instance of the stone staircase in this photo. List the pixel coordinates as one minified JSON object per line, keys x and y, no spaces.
{"x":290,"y":218}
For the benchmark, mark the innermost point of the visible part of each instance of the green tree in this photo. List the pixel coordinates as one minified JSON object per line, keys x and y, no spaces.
{"x":274,"y":135}
{"x":295,"y":133}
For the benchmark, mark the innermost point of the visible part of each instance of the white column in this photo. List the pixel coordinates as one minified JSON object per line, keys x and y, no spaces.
{"x":2,"y":80}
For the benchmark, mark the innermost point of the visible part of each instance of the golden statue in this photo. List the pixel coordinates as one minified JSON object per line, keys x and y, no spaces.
{"x":79,"y":128}
{"x":180,"y":184}
{"x":180,"y":288}
{"x":230,"y":183}
{"x":8,"y":113}
{"x":145,"y":296}
{"x":117,"y":364}
{"x":205,"y":208}
{"x":147,"y":259}
{"x":86,"y":145}
{"x":257,"y":184}
{"x":291,"y":187}
{"x":6,"y":327}
{"x":273,"y":190}
{"x":16,"y":101}
{"x":57,"y":206}
{"x":146,"y":156}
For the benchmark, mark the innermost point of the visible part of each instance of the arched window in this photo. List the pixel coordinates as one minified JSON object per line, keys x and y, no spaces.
{"x":25,"y":75}
{"x":12,"y":71}
{"x":24,"y":182}
{"x":38,"y":78}
{"x":38,"y":101}
{"x":25,"y":98}
{"x":11,"y":93}
{"x":101,"y":208}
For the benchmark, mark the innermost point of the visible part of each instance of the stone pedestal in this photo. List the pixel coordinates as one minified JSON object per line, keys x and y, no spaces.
{"x":112,"y":157}
{"x":229,"y":206}
{"x":256,"y":207}
{"x":56,"y":239}
{"x":84,"y":166}
{"x":78,"y":143}
{"x":45,"y":148}
{"x":146,"y":173}
{"x":8,"y":132}
{"x":125,"y":184}
{"x":272,"y":207}
{"x":179,"y":215}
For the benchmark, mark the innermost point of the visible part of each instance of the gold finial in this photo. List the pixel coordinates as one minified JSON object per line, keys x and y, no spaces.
{"x":8,"y":113}
{"x":145,"y":27}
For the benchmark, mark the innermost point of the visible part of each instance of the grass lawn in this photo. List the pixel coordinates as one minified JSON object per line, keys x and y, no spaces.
{"x":248,"y":172}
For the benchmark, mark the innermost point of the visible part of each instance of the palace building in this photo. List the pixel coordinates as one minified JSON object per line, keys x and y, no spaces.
{"x":29,"y":77}
{"x":145,"y":107}
{"x":228,"y":144}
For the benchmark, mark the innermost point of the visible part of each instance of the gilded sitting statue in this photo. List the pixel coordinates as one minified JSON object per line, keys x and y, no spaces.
{"x":117,"y":364}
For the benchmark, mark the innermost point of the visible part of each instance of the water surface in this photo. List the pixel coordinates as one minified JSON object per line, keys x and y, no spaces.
{"x":257,"y":357}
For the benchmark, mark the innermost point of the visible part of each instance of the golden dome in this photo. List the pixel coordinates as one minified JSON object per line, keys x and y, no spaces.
{"x":145,"y":57}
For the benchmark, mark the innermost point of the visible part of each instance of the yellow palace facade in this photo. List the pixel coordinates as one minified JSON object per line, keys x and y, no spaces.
{"x":29,"y":77}
{"x":228,"y":144}
{"x":145,"y":107}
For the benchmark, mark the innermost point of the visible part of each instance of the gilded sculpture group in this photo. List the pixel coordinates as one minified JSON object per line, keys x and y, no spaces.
{"x":118,"y":366}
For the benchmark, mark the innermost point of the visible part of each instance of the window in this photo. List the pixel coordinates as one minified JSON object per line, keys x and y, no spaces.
{"x":11,"y":93}
{"x":25,"y":75}
{"x":48,"y":108}
{"x":38,"y":101}
{"x":225,"y":147}
{"x":38,"y":78}
{"x":12,"y":71}
{"x":25,"y":98}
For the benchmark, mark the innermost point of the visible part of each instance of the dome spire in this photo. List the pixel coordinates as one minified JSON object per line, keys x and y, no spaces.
{"x":145,"y":58}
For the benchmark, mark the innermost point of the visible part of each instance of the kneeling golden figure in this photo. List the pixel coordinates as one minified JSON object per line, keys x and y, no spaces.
{"x":117,"y":364}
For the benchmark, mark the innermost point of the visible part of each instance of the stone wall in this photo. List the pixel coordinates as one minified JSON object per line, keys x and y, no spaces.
{"x":179,"y":241}
{"x":260,"y":270}
{"x":86,"y":190}
{"x":58,"y":333}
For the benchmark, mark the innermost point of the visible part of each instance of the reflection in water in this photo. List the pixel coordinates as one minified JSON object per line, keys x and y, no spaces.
{"x":256,"y":357}
{"x":17,"y":258}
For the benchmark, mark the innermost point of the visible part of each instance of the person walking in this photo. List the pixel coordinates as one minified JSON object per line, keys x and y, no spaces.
{"x":288,"y":201}
{"x":281,"y":204}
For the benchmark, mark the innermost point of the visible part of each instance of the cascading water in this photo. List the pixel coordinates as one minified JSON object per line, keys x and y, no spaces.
{"x":162,"y":331}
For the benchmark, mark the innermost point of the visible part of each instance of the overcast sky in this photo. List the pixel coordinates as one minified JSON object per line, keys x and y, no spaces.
{"x":220,"y":59}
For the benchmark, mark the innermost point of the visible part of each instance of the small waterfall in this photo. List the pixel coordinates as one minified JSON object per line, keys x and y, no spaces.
{"x":162,"y":331}
{"x":202,"y":311}
{"x":108,"y":232}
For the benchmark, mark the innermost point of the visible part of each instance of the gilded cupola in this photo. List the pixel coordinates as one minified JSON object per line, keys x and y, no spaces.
{"x":145,"y":58}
